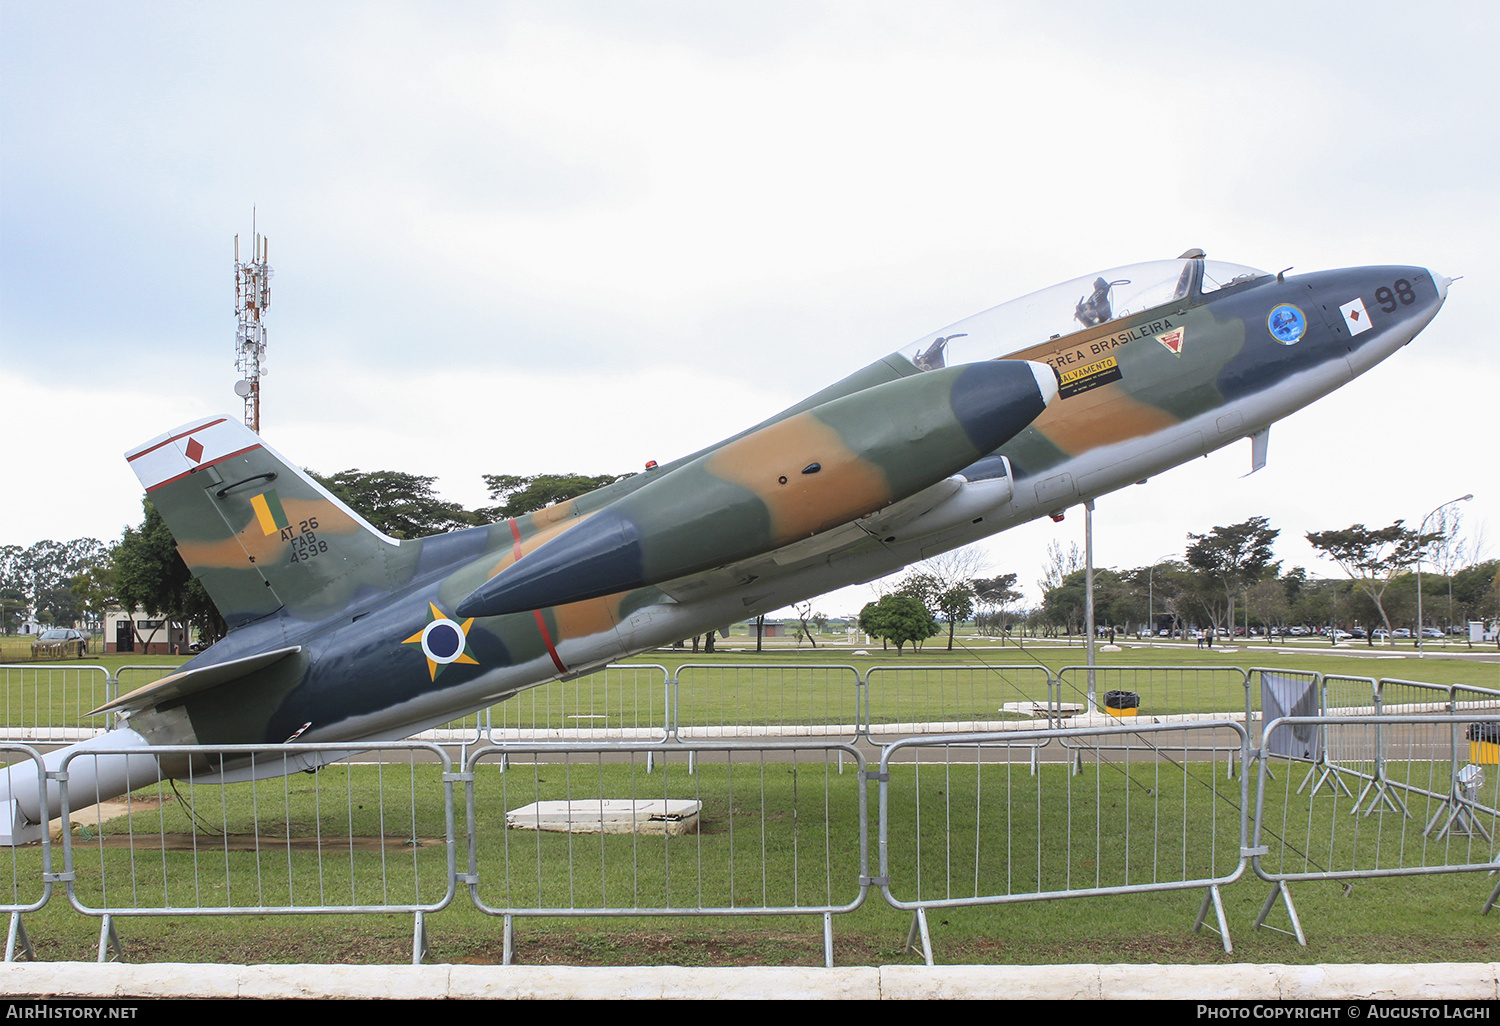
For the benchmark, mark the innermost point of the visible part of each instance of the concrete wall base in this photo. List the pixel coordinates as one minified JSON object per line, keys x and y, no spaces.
{"x":1467,"y":981}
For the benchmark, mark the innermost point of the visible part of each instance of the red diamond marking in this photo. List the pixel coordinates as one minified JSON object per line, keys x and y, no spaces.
{"x":1354,"y":315}
{"x":194,"y":450}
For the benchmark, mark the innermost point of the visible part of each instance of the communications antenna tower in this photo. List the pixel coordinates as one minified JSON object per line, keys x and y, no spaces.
{"x":252,"y":296}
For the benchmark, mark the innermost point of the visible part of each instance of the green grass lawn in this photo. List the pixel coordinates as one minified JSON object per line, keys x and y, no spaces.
{"x":771,"y":835}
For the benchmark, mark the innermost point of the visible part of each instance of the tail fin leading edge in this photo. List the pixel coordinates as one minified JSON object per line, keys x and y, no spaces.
{"x":257,"y":531}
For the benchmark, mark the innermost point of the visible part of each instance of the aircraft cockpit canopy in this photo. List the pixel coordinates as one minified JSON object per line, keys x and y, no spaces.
{"x":1072,"y":306}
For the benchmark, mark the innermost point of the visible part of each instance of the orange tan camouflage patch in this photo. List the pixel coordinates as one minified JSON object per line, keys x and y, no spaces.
{"x":589,"y":617}
{"x":550,"y":515}
{"x":846,"y":486}
{"x":1102,"y":416}
{"x":251,"y":541}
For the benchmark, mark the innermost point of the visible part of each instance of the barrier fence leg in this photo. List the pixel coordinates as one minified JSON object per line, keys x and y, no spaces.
{"x":919,"y":927}
{"x":828,"y":940}
{"x":420,"y":948}
{"x":1217,"y":901}
{"x":509,"y":943}
{"x":1383,"y":795}
{"x":1281,"y":890}
{"x":1329,"y":775}
{"x":1491,"y":903}
{"x":18,"y":933}
{"x":110,"y":940}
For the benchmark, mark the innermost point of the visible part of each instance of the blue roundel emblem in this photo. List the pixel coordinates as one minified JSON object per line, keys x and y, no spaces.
{"x":1286,"y":324}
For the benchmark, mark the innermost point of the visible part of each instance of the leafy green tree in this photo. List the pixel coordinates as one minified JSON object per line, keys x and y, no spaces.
{"x":398,"y":504}
{"x":944,"y":583}
{"x":956,"y":603}
{"x":1115,"y":600}
{"x":898,"y":618}
{"x":1372,"y":557}
{"x":150,"y":575}
{"x":520,"y":495}
{"x":95,"y":589}
{"x":38,"y":579}
{"x":996,"y":593}
{"x":1477,"y":590}
{"x":58,"y":605}
{"x":1233,"y":558}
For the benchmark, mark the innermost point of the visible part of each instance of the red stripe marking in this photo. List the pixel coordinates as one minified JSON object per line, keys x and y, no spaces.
{"x":169,"y":441}
{"x":185,"y":473}
{"x":541,"y":624}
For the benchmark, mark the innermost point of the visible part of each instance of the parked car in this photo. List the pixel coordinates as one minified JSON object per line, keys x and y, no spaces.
{"x":60,"y":643}
{"x":1431,"y":632}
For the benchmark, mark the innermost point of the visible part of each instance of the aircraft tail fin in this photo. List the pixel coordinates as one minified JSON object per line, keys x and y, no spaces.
{"x":257,"y":531}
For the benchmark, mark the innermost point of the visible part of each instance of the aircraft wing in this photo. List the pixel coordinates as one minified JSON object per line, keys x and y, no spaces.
{"x":177,"y":685}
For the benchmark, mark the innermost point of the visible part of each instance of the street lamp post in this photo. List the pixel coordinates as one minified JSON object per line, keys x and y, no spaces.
{"x":1420,"y":529}
{"x":1151,"y":596}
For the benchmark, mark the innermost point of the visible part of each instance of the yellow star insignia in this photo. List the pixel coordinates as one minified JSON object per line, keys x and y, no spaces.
{"x":443,"y":641}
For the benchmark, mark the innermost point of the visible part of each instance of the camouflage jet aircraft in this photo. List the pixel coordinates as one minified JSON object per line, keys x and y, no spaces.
{"x":338,"y":633}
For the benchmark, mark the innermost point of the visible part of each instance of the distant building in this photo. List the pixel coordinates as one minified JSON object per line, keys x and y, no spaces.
{"x":142,"y":634}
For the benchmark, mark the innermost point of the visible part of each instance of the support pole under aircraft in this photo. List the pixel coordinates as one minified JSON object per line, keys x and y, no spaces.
{"x":1088,"y":594}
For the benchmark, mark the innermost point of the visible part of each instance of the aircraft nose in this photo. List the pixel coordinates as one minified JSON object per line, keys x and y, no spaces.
{"x":1441,"y":282}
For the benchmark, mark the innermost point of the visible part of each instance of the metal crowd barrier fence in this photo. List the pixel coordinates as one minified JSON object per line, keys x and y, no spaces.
{"x":1348,"y":696}
{"x":1412,"y":698}
{"x":743,"y":700}
{"x":1158,"y":694}
{"x":678,"y":829}
{"x":947,"y":699}
{"x":1469,"y":698}
{"x":961,"y":826}
{"x":753,"y":826}
{"x":1342,"y":696}
{"x":49,"y":703}
{"x":1168,"y":694}
{"x":623,"y":702}
{"x":354,"y":837}
{"x":30,"y":867}
{"x":1434,"y":797}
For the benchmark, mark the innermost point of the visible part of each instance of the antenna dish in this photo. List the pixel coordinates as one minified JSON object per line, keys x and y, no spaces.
{"x":242,"y":388}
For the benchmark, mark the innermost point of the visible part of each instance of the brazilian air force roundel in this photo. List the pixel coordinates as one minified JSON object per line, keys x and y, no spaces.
{"x":443,"y":641}
{"x":1286,"y":324}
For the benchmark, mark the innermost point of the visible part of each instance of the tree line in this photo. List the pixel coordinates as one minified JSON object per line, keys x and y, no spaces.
{"x":1227,"y":578}
{"x":79,"y":581}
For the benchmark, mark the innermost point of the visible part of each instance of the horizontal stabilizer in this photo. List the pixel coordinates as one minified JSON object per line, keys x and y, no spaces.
{"x":178,"y":685}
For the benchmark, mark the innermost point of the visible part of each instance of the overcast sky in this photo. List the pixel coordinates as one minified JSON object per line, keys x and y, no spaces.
{"x":542,"y":237}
